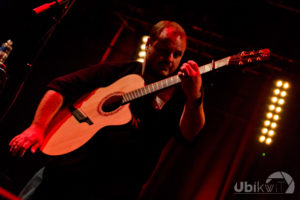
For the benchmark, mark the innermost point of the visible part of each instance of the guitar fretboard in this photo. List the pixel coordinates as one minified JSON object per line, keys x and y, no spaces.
{"x":168,"y":82}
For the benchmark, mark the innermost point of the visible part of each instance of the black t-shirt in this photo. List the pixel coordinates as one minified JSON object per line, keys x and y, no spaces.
{"x":118,"y":160}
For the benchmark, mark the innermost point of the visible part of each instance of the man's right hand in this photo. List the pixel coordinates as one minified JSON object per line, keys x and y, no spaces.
{"x":34,"y":135}
{"x":31,"y":137}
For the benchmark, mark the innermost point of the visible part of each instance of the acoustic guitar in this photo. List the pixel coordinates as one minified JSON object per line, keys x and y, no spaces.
{"x":74,"y":126}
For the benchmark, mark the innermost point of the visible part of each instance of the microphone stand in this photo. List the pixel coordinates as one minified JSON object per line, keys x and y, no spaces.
{"x":29,"y":65}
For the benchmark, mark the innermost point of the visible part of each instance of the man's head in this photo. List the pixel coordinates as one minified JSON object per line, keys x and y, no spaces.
{"x":165,"y":48}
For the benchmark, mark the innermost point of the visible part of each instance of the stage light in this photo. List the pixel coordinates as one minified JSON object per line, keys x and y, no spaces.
{"x":283,"y":93}
{"x":273,"y":125}
{"x":279,"y":83}
{"x":278,"y":109}
{"x":274,"y":99}
{"x":262,"y":138}
{"x":269,"y":115}
{"x":276,"y":91}
{"x":141,"y":60}
{"x":286,"y":85}
{"x":276,"y":117}
{"x":267,"y":123}
{"x":281,"y":101}
{"x":271,"y":133}
{"x":143,"y":47}
{"x":271,"y":107}
{"x":268,"y":141}
{"x":274,"y":109}
{"x":145,"y":38}
{"x":264,"y":131}
{"x":142,"y":52}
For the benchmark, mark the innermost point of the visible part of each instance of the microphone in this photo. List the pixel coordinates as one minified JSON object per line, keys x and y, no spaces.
{"x":47,"y":6}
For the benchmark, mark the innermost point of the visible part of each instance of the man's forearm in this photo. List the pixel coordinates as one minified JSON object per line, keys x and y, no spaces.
{"x":192,"y":120}
{"x":48,"y":107}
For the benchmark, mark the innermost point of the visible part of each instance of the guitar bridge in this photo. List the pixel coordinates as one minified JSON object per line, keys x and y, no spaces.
{"x":80,"y":115}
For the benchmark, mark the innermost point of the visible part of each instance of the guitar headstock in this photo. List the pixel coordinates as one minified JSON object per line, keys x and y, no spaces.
{"x":250,"y":57}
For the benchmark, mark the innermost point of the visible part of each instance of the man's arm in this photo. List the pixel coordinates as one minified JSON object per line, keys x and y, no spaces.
{"x":33,"y":136}
{"x":192,"y":120}
{"x":193,"y":117}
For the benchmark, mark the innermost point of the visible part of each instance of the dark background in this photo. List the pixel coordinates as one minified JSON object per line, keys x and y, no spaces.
{"x":215,"y":28}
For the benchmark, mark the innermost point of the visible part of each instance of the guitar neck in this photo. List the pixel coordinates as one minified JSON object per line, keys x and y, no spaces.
{"x":171,"y":81}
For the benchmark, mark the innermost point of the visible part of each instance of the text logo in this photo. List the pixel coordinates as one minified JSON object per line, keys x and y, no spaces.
{"x":277,"y":183}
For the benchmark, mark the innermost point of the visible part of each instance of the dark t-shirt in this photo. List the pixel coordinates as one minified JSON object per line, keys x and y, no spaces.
{"x":118,"y":160}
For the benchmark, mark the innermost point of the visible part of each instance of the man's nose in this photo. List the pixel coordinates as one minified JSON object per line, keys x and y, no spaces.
{"x":171,"y":57}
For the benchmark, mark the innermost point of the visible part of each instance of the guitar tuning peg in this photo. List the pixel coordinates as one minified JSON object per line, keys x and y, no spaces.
{"x":243,"y":53}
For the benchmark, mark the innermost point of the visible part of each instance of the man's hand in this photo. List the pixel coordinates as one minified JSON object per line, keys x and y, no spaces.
{"x":34,"y":135}
{"x":31,"y":137}
{"x":191,"y":80}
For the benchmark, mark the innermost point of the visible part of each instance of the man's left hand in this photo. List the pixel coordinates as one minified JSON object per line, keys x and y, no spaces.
{"x":191,"y":80}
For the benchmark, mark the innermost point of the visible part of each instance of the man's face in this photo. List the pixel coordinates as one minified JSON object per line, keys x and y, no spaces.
{"x":164,"y":54}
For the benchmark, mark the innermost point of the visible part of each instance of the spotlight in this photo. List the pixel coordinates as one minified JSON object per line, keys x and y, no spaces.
{"x":274,"y":110}
{"x":273,"y":125}
{"x":262,"y":138}
{"x":274,"y":99}
{"x":267,"y":123}
{"x":271,"y":107}
{"x":271,"y":133}
{"x":276,"y":117}
{"x":278,"y":109}
{"x":283,"y":93}
{"x":142,"y":52}
{"x":276,"y":91}
{"x":279,"y":83}
{"x":281,"y":101}
{"x":268,"y":141}
{"x":145,"y":38}
{"x":286,"y":85}
{"x":264,"y":131}
{"x":269,"y":115}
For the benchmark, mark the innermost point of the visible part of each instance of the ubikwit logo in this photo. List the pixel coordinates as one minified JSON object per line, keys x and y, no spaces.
{"x":277,"y":183}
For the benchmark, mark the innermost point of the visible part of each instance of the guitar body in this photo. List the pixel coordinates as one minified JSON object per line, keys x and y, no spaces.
{"x":65,"y":133}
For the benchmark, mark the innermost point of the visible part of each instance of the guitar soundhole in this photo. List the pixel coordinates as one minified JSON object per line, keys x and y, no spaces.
{"x":112,"y":103}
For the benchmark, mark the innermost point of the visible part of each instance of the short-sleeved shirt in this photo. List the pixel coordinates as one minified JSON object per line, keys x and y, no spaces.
{"x":118,"y":160}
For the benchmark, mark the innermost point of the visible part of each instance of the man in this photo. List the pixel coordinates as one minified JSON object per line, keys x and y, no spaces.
{"x":118,"y":160}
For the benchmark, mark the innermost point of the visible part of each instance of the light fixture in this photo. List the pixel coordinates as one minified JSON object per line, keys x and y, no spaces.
{"x":142,"y":51}
{"x":274,"y":109}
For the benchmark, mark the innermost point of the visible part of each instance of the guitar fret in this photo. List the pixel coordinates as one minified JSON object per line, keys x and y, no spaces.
{"x":131,"y":96}
{"x":160,"y":85}
{"x":154,"y":86}
{"x":139,"y":92}
{"x":151,"y":88}
{"x":147,"y":89}
{"x":124,"y":98}
{"x":134,"y":94}
{"x":142,"y":91}
{"x":165,"y":83}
